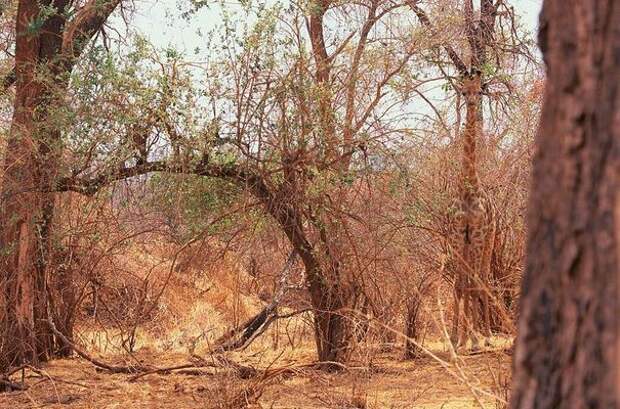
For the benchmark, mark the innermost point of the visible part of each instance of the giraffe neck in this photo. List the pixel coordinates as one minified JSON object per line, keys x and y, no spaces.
{"x":471,"y":134}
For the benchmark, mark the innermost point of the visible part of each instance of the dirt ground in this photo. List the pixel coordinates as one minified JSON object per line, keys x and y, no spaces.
{"x":388,"y":382}
{"x":282,"y":358}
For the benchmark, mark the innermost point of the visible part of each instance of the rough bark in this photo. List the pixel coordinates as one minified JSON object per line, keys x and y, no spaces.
{"x":63,"y":296}
{"x":330,"y":323}
{"x":25,"y":210}
{"x":243,"y":335}
{"x":44,"y":58}
{"x":321,"y":80}
{"x":328,"y":298}
{"x":568,"y":347}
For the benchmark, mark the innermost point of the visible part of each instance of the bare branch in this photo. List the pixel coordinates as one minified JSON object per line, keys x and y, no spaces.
{"x":454,"y":57}
{"x":93,"y":360}
{"x":91,"y":186}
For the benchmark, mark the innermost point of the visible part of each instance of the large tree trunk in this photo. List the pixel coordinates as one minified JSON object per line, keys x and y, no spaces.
{"x":332,"y":328}
{"x":44,"y":58}
{"x":329,"y":299}
{"x":331,"y":324}
{"x":568,"y":347}
{"x":25,"y":207}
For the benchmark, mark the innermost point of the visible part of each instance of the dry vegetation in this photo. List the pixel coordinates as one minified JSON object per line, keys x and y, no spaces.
{"x":144,"y":300}
{"x":276,"y":371}
{"x":290,"y":224}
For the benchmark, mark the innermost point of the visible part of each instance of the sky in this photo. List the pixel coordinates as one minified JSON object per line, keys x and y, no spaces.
{"x":160,"y":20}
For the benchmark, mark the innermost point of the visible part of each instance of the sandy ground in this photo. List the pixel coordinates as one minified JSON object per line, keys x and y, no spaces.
{"x":388,"y":383}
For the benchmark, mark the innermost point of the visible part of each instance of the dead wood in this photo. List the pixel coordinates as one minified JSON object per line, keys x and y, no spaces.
{"x":128,"y":369}
{"x":246,"y":333}
{"x":7,"y":386}
{"x":242,"y":371}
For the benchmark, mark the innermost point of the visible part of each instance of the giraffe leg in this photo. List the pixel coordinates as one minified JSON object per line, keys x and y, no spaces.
{"x":475,"y":321}
{"x":454,"y":335}
{"x":484,"y":328}
{"x":475,"y":341}
{"x":487,"y":270}
{"x":486,"y":311}
{"x":484,"y":303}
{"x":467,"y":327}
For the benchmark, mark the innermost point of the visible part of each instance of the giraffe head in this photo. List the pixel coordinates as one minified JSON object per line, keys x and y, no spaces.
{"x":471,"y":86}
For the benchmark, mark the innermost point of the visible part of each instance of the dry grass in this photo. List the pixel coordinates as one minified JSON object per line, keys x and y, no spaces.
{"x":201,"y":303}
{"x":389,"y":383}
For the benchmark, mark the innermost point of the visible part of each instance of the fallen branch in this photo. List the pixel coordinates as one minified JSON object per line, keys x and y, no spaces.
{"x":244,"y":372}
{"x":139,"y":371}
{"x":163,"y":371}
{"x":245,"y":334}
{"x":238,"y":337}
{"x":47,"y":376}
{"x":131,"y":369}
{"x":7,"y":386}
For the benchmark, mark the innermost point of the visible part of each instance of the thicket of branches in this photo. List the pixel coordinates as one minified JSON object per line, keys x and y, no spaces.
{"x":328,"y":131}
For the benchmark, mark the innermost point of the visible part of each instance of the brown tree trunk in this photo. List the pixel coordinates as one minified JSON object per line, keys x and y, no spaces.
{"x":411,"y":327}
{"x":25,"y":210}
{"x":331,"y":325}
{"x":332,"y":328}
{"x":44,"y":58}
{"x":63,"y":300}
{"x":332,"y":334}
{"x":568,"y":347}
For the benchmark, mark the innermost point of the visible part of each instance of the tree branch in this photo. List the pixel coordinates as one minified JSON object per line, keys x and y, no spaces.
{"x":317,"y":40}
{"x":244,"y":335}
{"x":88,"y":20}
{"x":426,"y":22}
{"x":93,"y":360}
{"x":90,"y":186}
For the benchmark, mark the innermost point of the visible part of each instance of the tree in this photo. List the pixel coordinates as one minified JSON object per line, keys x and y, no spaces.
{"x":50,"y":38}
{"x":286,"y":123}
{"x":567,"y":347}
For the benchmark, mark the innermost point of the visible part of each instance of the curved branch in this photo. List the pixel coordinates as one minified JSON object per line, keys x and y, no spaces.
{"x":93,"y":360}
{"x":90,"y":186}
{"x":88,"y":20}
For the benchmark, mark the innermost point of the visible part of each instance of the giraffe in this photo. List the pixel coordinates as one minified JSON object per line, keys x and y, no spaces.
{"x":472,"y":235}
